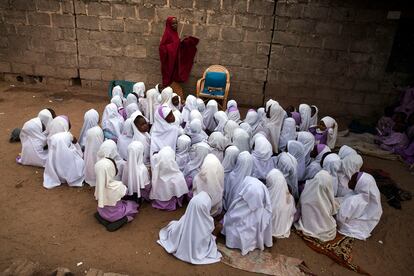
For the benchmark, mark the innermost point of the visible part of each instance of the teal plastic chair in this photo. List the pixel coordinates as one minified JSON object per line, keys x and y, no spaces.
{"x":215,"y":84}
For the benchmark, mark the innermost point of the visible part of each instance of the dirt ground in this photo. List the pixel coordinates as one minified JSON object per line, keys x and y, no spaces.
{"x":57,"y":228}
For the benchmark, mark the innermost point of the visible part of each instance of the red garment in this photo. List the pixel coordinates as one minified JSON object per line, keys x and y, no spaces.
{"x":186,"y":54}
{"x":168,"y":49}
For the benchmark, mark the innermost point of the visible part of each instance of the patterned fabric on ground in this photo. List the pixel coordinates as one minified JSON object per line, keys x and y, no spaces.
{"x":338,"y":249}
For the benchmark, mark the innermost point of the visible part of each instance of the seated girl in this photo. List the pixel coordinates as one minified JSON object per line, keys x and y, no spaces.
{"x":247,"y":223}
{"x":325,"y":132}
{"x":65,"y":162}
{"x":232,"y":111}
{"x":141,"y":128}
{"x":262,"y":157}
{"x":182,"y":155}
{"x":90,"y":120}
{"x":112,"y":122}
{"x":163,"y":132}
{"x":218,"y":144}
{"x":108,"y":149}
{"x":125,"y":138}
{"x":34,"y":144}
{"x":361,"y":211}
{"x":94,"y":140}
{"x":190,"y":239}
{"x":113,"y":212}
{"x":118,"y":101}
{"x":168,"y":183}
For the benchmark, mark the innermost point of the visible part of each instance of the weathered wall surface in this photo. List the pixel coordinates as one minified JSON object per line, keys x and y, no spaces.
{"x":328,"y":52}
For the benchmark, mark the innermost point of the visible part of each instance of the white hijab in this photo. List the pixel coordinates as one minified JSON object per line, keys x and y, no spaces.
{"x":229,"y":129}
{"x":218,"y":143}
{"x":230,"y":157}
{"x":167,"y":179}
{"x":117,"y":100}
{"x":208,"y":115}
{"x":139,"y":89}
{"x":246,"y":127}
{"x":166,"y":97}
{"x":94,"y":140}
{"x":247,"y":224}
{"x":45,"y":117}
{"x":131,"y":99}
{"x":163,"y":133}
{"x":112,"y":120}
{"x":64,"y":163}
{"x":198,"y":152}
{"x":220,"y":117}
{"x":190,"y":104}
{"x":195,"y":114}
{"x":287,"y":133}
{"x":332,"y":127}
{"x":210,"y":179}
{"x":107,"y":191}
{"x":345,"y":150}
{"x":125,"y":138}
{"x":283,"y":204}
{"x":252,"y":118}
{"x":262,"y":157}
{"x":305,"y":116}
{"x":90,"y":120}
{"x":297,"y":150}
{"x":182,"y":155}
{"x":117,"y":91}
{"x":152,"y":102}
{"x":308,"y":141}
{"x":144,"y":138}
{"x":201,"y":106}
{"x":360,"y":212}
{"x":241,"y":139}
{"x":135,"y":175}
{"x":350,"y":164}
{"x":232,"y":111}
{"x":232,"y":186}
{"x":33,"y":141}
{"x":288,"y":165}
{"x":274,"y":123}
{"x":314,"y":118}
{"x":332,"y":164}
{"x":58,"y":124}
{"x":190,"y":239}
{"x":108,"y":149}
{"x":131,"y":108}
{"x":196,"y":132}
{"x":318,"y":206}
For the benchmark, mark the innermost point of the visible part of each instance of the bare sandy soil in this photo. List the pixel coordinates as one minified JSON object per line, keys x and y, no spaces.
{"x":57,"y":228}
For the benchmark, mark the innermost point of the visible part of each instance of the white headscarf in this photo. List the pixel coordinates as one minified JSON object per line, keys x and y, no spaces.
{"x":247,"y":224}
{"x":117,"y":91}
{"x":360,"y":212}
{"x":139,"y":89}
{"x":218,"y":143}
{"x":283,"y":204}
{"x":332,"y":164}
{"x":190,"y":104}
{"x":190,"y":239}
{"x":45,"y":117}
{"x":297,"y":150}
{"x":308,"y":141}
{"x":305,"y":116}
{"x":144,"y":138}
{"x":232,"y":111}
{"x":163,"y":133}
{"x":314,"y":119}
{"x":332,"y":127}
{"x":287,"y":133}
{"x":232,"y":186}
{"x":351,"y":164}
{"x":125,"y":138}
{"x":108,"y":149}
{"x":94,"y":140}
{"x":131,"y":108}
{"x":208,"y":115}
{"x":220,"y":117}
{"x":182,"y":155}
{"x":229,"y":129}
{"x":196,"y":132}
{"x":33,"y":141}
{"x":230,"y":157}
{"x":345,"y":150}
{"x":152,"y":102}
{"x":246,"y":127}
{"x":321,"y":153}
{"x":135,"y":175}
{"x":195,"y":114}
{"x":117,"y":100}
{"x":167,"y":179}
{"x":58,"y":124}
{"x":252,"y":118}
{"x":64,"y":163}
{"x":198,"y":152}
{"x":274,"y":123}
{"x":90,"y":120}
{"x":131,"y":99}
{"x":112,"y":120}
{"x":107,"y":191}
{"x":261,"y":112}
{"x":318,"y":206}
{"x":241,"y":139}
{"x":288,"y":165}
{"x":210,"y":179}
{"x":262,"y":157}
{"x":201,"y":106}
{"x":166,"y":97}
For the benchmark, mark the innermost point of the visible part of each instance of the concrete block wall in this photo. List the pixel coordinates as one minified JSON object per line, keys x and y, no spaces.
{"x":331,"y":53}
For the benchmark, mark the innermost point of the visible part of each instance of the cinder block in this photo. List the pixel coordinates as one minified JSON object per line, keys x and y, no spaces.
{"x":65,"y":47}
{"x":232,"y":34}
{"x":336,"y":43}
{"x":328,"y":28}
{"x":63,"y":20}
{"x":24,"y":5}
{"x":80,"y":7}
{"x":219,"y":19}
{"x":99,"y":9}
{"x":236,"y":6}
{"x":136,"y":51}
{"x":208,"y":4}
{"x":67,"y":6}
{"x":90,"y":74}
{"x":366,"y":85}
{"x":87,"y":22}
{"x":259,"y":36}
{"x":22,"y":68}
{"x":262,"y":7}
{"x":285,"y":38}
{"x":112,"y":25}
{"x":315,"y":12}
{"x":146,"y":12}
{"x":39,"y":19}
{"x":314,"y":41}
{"x":301,"y":26}
{"x":48,"y":5}
{"x":250,"y":21}
{"x":181,"y":3}
{"x":13,"y":17}
{"x":289,"y":10}
{"x":136,"y":26}
{"x":5,"y":67}
{"x":123,"y":11}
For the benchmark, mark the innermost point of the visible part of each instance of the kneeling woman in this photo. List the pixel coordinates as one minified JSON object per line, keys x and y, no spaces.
{"x":112,"y":211}
{"x":190,"y":239}
{"x":168,"y":183}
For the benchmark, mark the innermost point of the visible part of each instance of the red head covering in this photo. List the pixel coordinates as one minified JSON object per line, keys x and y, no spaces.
{"x":168,"y":49}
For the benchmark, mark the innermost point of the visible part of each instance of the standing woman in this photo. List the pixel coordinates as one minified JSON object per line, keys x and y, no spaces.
{"x":168,"y":50}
